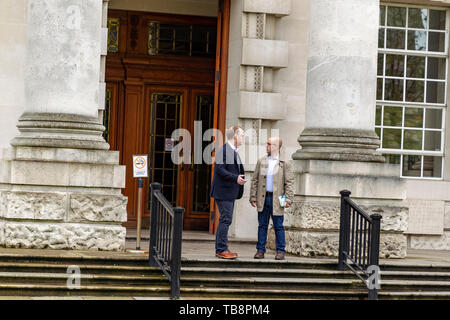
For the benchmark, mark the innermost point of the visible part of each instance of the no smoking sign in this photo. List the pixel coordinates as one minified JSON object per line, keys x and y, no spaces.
{"x":140,"y":166}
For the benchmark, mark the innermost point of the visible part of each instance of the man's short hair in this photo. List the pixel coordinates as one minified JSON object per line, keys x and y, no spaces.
{"x":232,"y":131}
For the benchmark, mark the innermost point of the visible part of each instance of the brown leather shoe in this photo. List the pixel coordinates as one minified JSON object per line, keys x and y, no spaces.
{"x":226,"y":255}
{"x":259,"y":255}
{"x":279,"y":256}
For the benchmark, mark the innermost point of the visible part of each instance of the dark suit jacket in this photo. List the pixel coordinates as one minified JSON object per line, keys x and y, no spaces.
{"x":228,"y":167}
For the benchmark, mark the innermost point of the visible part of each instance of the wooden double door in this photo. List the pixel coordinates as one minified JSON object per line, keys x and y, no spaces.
{"x":166,"y":72}
{"x":166,"y":109}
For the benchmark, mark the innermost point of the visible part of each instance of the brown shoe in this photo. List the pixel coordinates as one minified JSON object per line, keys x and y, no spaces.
{"x":279,"y":256}
{"x":259,"y":255}
{"x":226,"y":255}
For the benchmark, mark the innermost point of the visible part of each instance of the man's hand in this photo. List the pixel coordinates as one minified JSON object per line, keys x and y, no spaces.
{"x":241,"y":180}
{"x":287,"y":205}
{"x":253,"y":203}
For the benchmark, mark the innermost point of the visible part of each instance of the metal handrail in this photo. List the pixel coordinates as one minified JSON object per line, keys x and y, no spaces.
{"x":359,"y":241}
{"x":166,"y":225}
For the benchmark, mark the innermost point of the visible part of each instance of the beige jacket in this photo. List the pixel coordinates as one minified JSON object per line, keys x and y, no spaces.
{"x":283,"y":183}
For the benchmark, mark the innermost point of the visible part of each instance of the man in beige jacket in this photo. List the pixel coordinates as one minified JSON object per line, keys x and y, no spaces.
{"x":272,"y":179}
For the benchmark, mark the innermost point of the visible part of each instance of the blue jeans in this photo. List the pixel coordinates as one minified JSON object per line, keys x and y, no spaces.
{"x":263,"y":221}
{"x":226,"y":217}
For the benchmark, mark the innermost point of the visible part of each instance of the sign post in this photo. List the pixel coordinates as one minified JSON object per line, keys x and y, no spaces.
{"x":140,"y":171}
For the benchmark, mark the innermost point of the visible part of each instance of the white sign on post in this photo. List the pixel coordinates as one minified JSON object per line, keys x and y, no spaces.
{"x":140,"y":166}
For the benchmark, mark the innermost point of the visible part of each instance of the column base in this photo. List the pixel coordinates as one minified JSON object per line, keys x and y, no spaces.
{"x":338,"y":144}
{"x":54,"y":198}
{"x":57,"y":130}
{"x":312,"y":223}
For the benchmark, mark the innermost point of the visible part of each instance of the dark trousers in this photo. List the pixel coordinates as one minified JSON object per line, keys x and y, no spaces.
{"x":226,"y":217}
{"x":263,"y":221}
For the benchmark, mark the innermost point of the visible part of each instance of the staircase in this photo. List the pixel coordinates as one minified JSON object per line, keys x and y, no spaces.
{"x":38,"y":273}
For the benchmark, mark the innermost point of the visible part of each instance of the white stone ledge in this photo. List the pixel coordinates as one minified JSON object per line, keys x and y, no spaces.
{"x":66,"y":155}
{"x":275,"y":7}
{"x":267,"y":53}
{"x":67,"y":174}
{"x":374,"y":187}
{"x":262,"y":105}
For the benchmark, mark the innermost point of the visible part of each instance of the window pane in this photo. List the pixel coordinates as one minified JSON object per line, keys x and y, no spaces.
{"x":395,"y":66}
{"x":392,"y":116}
{"x":392,"y":138}
{"x":395,"y":39}
{"x":381,"y":34}
{"x":436,"y":41}
{"x":432,"y":141}
{"x":415,"y":91}
{"x":432,"y":167}
{"x":382,"y":15}
{"x":435,"y":92}
{"x":379,"y":89}
{"x":380,"y":64}
{"x":396,"y":16}
{"x":417,"y":40}
{"x":414,"y":117}
{"x":437,"y":19}
{"x":411,"y":166}
{"x":433,"y":119}
{"x":415,"y":67}
{"x":412,"y":140}
{"x":436,"y":68}
{"x":378,"y":116}
{"x":417,"y":18}
{"x":393,"y":90}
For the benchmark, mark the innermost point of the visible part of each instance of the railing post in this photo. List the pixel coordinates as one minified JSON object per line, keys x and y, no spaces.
{"x":176,"y":253}
{"x":374,"y":251}
{"x":153,"y":221}
{"x":344,"y":230}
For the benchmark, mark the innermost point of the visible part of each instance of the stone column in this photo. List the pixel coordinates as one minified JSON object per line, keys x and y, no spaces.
{"x":339,"y":142}
{"x":341,"y":82}
{"x":60,"y":187}
{"x":62,"y":75}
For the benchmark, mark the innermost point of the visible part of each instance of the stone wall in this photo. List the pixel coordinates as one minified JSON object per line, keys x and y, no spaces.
{"x":62,"y":199}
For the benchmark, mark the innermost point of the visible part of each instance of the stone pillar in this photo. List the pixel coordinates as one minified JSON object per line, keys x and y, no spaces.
{"x":60,"y":187}
{"x":341,"y":82}
{"x":339,"y":142}
{"x":62,"y":75}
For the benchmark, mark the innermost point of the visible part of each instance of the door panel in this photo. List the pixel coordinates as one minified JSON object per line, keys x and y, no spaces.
{"x":167,"y":110}
{"x":199,"y":174}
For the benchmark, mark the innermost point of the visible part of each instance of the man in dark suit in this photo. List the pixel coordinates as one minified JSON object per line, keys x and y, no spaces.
{"x":227,"y":186}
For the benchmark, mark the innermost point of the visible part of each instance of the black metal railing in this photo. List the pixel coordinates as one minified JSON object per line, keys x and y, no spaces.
{"x":166,"y":224}
{"x":359,"y":243}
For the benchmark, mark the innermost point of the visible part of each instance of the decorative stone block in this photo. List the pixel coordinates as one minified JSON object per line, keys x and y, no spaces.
{"x":275,"y":7}
{"x":100,"y":208}
{"x":64,"y":236}
{"x":262,"y":105}
{"x":267,"y":53}
{"x":35,"y":205}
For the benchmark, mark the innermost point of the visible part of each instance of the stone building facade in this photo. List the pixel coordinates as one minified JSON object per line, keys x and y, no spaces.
{"x":357,"y":90}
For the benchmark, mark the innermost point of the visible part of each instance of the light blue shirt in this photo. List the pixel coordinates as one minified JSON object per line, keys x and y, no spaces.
{"x":269,"y":179}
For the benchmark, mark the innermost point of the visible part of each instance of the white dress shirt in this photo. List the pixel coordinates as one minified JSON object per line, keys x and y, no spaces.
{"x":269,"y":179}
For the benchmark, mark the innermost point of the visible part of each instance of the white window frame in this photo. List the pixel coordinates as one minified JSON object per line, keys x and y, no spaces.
{"x":425,"y":105}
